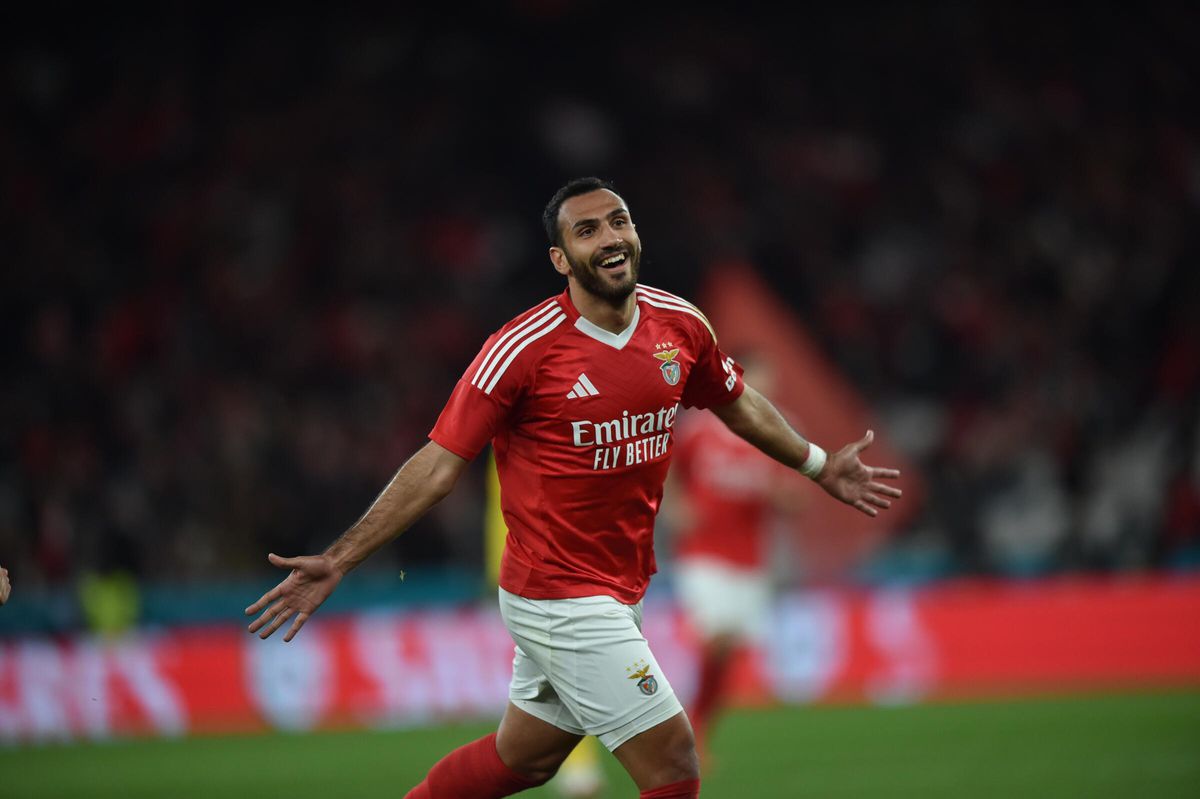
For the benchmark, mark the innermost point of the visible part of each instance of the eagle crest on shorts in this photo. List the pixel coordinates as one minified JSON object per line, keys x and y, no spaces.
{"x":647,"y":684}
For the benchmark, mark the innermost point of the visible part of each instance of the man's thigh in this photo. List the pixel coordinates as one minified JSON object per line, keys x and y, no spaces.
{"x":661,"y":755}
{"x":531,"y":746}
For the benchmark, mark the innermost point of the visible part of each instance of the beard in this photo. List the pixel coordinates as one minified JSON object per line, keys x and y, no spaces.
{"x":593,"y":282}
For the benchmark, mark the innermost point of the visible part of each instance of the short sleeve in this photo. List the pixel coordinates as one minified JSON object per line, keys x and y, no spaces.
{"x":715,"y":378}
{"x":481,"y":402}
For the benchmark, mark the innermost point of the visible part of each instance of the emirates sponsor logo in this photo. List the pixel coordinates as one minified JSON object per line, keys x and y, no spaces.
{"x":628,"y":440}
{"x":628,"y":425}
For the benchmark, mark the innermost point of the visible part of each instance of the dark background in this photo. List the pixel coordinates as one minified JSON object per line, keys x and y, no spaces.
{"x":247,"y":256}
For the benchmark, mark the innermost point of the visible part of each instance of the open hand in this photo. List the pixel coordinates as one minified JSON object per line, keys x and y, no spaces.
{"x":847,"y":478}
{"x":312,"y":580}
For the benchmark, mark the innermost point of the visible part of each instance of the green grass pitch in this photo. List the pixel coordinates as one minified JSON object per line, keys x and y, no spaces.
{"x":1132,"y":745}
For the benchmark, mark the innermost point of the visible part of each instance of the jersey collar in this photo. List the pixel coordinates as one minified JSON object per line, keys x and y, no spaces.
{"x":615,"y":340}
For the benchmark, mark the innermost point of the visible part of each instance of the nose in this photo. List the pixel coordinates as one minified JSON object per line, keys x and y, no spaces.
{"x":611,"y":237}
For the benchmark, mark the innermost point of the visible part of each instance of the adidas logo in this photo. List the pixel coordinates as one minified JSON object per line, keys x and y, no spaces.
{"x":583,"y":388}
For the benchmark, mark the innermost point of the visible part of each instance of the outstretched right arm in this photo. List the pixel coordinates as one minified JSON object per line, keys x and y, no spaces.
{"x":423,"y":481}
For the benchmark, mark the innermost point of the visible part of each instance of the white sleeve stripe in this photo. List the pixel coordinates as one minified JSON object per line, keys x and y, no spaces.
{"x":518,"y":343}
{"x":666,"y":296}
{"x":670,"y":299}
{"x":555,"y":321}
{"x":660,"y":298}
{"x":500,"y":347}
{"x":663,"y":295}
{"x":683,"y":308}
{"x":658,"y":302}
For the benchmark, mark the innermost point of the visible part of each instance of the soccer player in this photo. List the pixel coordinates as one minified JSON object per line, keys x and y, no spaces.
{"x":725,"y":496}
{"x":578,"y":396}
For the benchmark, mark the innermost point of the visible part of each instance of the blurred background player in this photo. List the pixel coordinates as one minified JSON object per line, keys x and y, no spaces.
{"x":725,"y":497}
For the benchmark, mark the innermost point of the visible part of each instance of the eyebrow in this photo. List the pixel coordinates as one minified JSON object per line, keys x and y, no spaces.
{"x":593,"y":221}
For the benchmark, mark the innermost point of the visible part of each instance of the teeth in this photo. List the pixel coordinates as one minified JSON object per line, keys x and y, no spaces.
{"x":615,"y":259}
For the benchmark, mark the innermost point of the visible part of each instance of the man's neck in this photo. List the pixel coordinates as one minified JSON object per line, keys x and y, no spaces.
{"x":601,"y":312}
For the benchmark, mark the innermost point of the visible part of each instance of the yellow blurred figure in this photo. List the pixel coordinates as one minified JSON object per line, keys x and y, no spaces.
{"x":111,"y":602}
{"x":580,"y":776}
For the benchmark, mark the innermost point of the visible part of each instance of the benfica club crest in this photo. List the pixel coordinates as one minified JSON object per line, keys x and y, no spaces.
{"x":647,"y":684}
{"x":670,"y":369}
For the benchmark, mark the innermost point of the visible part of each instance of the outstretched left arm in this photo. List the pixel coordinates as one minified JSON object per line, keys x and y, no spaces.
{"x":841,"y":474}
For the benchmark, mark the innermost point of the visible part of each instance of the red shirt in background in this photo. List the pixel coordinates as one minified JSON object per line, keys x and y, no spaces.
{"x":730,"y":489}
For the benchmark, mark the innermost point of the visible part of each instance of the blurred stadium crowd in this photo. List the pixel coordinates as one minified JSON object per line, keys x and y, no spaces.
{"x":247,"y":259}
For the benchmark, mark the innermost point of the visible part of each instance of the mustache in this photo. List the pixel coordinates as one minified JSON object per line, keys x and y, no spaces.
{"x":610,"y":251}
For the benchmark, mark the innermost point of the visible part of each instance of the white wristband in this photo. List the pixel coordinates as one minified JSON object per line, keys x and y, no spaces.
{"x":814,"y":463}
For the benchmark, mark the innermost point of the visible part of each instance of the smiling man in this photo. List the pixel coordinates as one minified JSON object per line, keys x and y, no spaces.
{"x":605,"y":253}
{"x":578,"y":396}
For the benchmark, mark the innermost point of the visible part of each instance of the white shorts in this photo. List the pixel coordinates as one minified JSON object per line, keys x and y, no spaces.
{"x":584,"y":666}
{"x":722,"y":599}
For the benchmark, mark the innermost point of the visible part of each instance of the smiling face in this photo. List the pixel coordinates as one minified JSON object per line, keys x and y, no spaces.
{"x":600,"y":247}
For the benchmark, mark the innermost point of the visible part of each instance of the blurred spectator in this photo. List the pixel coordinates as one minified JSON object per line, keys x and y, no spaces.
{"x":246,"y":257}
{"x":110,"y":603}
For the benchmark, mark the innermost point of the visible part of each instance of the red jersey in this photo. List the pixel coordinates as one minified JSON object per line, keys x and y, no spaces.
{"x":581,"y":421}
{"x":729,"y":486}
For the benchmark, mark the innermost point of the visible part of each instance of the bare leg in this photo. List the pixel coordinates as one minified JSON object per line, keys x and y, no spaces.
{"x":662,"y":755}
{"x":523,"y":753}
{"x":530,"y":746}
